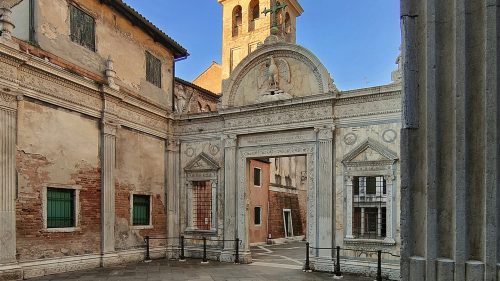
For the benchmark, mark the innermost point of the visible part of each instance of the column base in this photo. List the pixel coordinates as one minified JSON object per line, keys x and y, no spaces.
{"x":229,"y":256}
{"x":324,"y":264}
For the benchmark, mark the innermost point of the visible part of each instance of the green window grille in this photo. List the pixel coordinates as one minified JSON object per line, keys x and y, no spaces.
{"x":153,"y":70}
{"x":60,"y":208}
{"x":82,"y":28}
{"x":141,"y":212}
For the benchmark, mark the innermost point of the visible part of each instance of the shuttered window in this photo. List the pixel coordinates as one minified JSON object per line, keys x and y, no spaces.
{"x":153,"y":70}
{"x":141,"y":210}
{"x":60,"y":208}
{"x":82,"y":28}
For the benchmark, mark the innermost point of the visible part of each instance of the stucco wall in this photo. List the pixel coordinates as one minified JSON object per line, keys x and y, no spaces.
{"x":116,"y":36}
{"x":56,"y":148}
{"x":258,"y":197}
{"x":140,"y":169}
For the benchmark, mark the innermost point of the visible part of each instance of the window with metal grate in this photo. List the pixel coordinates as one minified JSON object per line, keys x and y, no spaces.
{"x":141,"y":210}
{"x":82,"y":28}
{"x":153,"y":70}
{"x":60,"y":208}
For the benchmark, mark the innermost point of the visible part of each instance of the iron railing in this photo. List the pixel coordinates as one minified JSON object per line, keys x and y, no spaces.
{"x":182,"y":246}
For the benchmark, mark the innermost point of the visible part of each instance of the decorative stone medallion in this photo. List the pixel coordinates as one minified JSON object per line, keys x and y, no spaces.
{"x":389,"y":136}
{"x":214,"y":149}
{"x":350,"y":139}
{"x":189,"y":151}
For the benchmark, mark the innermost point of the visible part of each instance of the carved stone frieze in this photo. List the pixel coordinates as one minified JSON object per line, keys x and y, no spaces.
{"x":275,"y":138}
{"x":280,"y":116}
{"x":7,"y":70}
{"x":136,"y":115}
{"x":384,"y":103}
{"x":56,"y":87}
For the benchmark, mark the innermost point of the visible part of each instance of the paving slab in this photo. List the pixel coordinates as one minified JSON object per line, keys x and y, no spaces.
{"x":193,"y":270}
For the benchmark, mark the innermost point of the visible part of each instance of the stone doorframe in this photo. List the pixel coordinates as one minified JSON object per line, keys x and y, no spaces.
{"x":317,"y":145}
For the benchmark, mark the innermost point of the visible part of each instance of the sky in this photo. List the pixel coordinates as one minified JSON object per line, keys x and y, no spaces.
{"x":357,"y":40}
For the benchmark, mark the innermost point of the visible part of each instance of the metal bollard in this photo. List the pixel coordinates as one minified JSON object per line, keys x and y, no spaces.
{"x":337,"y":263}
{"x":379,"y":266}
{"x":204,"y":250}
{"x":307,"y":266}
{"x":237,"y":248}
{"x":148,"y":258}
{"x":182,"y":257}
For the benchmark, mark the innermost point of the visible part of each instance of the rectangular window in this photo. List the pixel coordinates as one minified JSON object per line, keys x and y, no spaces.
{"x":371,"y":185}
{"x":153,"y":70}
{"x":141,"y":210}
{"x":82,"y":28}
{"x":257,"y":177}
{"x":60,"y":208}
{"x":202,"y":195}
{"x":257,"y":216}
{"x":355,"y":185}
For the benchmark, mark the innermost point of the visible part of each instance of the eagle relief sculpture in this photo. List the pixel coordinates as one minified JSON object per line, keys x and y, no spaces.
{"x":273,"y":75}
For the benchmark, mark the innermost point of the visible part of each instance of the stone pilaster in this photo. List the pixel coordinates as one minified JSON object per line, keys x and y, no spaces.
{"x":230,"y":186}
{"x":390,"y":210}
{"x":8,"y":124}
{"x":349,"y":204}
{"x":326,"y":200}
{"x":172,"y":188}
{"x":108,"y":185}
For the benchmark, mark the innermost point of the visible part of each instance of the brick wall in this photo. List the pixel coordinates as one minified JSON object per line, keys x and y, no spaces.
{"x":33,"y":242}
{"x":125,"y":235}
{"x":277,"y":202}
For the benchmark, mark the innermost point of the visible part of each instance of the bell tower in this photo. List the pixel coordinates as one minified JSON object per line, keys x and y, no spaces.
{"x":245,"y":27}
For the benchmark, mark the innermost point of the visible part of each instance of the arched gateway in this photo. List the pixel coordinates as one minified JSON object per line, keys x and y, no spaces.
{"x":280,"y":101}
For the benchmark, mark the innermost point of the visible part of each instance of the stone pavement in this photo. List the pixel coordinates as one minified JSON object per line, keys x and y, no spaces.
{"x":193,"y":270}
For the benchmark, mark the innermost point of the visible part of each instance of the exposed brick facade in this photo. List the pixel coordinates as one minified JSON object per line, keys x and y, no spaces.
{"x":126,"y":236}
{"x":33,"y":242}
{"x":277,"y":202}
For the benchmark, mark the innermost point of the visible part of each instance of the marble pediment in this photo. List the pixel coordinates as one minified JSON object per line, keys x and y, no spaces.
{"x":202,"y":162}
{"x":276,"y":71}
{"x":370,"y":151}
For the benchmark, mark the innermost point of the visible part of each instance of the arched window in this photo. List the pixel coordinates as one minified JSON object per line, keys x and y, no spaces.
{"x":254,"y":14}
{"x":237,"y":20}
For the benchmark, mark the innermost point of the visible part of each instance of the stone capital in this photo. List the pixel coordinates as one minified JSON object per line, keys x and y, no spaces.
{"x":109,"y":128}
{"x":172,"y":145}
{"x":325,"y":133}
{"x":230,"y":141}
{"x":8,"y":101}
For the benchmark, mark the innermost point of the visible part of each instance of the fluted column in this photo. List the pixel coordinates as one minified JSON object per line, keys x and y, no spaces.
{"x":172,"y":189}
{"x":108,"y":185}
{"x":390,"y":210}
{"x":450,"y":202}
{"x":230,"y":198}
{"x":8,"y":112}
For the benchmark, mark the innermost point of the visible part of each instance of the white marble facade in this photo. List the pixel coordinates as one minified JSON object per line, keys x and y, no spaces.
{"x":341,"y":134}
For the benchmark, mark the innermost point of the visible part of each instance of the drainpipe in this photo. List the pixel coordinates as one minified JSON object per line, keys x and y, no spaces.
{"x":173,"y":79}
